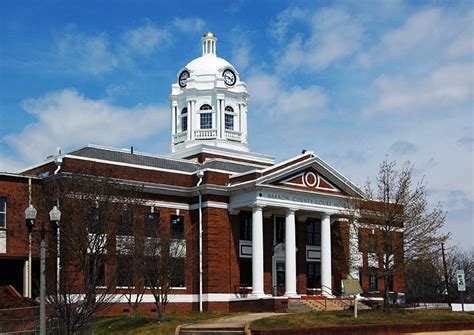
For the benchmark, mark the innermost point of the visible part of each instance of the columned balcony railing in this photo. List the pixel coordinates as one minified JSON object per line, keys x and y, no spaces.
{"x":233,"y":135}
{"x":180,"y":137}
{"x":204,"y":134}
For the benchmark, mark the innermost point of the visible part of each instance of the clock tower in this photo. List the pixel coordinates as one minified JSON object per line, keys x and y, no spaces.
{"x":208,"y":104}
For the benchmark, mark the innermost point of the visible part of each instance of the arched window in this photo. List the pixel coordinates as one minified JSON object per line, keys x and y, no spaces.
{"x":205,"y":107}
{"x":206,"y":118}
{"x":184,"y":119}
{"x":229,"y":118}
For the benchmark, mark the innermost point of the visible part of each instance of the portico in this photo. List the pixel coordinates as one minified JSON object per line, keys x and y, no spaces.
{"x":323,"y":255}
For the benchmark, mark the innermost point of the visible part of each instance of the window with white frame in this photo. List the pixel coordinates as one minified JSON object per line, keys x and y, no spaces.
{"x":229,"y":122}
{"x":3,"y":212}
{"x":206,"y":120}
{"x":184,"y":119}
{"x":373,"y":281}
{"x":229,"y":118}
{"x":313,"y":275}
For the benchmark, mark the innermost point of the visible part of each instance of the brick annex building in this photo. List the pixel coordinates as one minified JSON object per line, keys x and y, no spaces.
{"x":269,"y":229}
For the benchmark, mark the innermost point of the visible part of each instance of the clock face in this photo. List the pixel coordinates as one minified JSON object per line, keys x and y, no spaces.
{"x":183,"y":77}
{"x":229,"y":77}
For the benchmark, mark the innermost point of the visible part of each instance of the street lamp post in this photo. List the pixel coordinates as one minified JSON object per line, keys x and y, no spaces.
{"x":43,"y":282}
{"x":30,"y":217}
{"x":55,"y":218}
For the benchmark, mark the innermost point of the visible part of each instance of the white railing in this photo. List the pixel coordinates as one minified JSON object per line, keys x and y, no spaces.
{"x":202,"y":134}
{"x":180,"y":137}
{"x":233,"y":135}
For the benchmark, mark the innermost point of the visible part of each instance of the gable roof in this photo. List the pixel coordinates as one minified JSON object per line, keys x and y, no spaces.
{"x":293,"y":166}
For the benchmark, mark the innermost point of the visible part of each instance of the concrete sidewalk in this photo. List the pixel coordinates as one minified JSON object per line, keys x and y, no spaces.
{"x":228,"y":325}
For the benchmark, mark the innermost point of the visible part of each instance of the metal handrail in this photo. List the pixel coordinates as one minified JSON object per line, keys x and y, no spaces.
{"x":333,"y":293}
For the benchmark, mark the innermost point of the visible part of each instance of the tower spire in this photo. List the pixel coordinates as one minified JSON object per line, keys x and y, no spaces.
{"x":209,"y":41}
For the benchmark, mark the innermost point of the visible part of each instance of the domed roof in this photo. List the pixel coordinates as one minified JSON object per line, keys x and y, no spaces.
{"x":208,"y":64}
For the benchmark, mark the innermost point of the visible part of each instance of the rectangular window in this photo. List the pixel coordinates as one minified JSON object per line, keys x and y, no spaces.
{"x":177,"y":226}
{"x":390,"y":283}
{"x":387,"y":245}
{"x":313,"y":275}
{"x":245,"y":272}
{"x":3,"y":212}
{"x":177,"y":273}
{"x":125,"y":271}
{"x":313,"y":232}
{"x":229,"y":122}
{"x":245,"y":227}
{"x":96,"y":268}
{"x":125,"y":224}
{"x":373,"y":282}
{"x":152,"y":224}
{"x":94,"y":225}
{"x":206,"y":120}
{"x":184,"y":123}
{"x":372,"y":243}
{"x":279,"y":230}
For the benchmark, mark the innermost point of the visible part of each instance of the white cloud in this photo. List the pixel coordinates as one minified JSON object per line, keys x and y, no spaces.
{"x":9,"y":164}
{"x":447,"y":86}
{"x":294,"y":104}
{"x":67,"y":119}
{"x":427,"y":34}
{"x":333,"y":35}
{"x":279,"y":27}
{"x":84,"y":53}
{"x":188,"y":24}
{"x":144,"y":39}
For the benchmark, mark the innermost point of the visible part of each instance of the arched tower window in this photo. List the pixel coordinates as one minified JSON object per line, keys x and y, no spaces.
{"x":184,"y":119}
{"x":206,"y":118}
{"x":229,"y":118}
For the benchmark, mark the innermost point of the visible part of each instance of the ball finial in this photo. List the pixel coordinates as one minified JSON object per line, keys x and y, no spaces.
{"x":209,"y":34}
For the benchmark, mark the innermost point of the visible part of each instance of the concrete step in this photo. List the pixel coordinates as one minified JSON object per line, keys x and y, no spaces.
{"x":297,"y":306}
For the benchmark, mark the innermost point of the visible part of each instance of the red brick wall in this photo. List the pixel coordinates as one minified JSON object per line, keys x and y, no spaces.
{"x":15,"y":190}
{"x":217,"y":256}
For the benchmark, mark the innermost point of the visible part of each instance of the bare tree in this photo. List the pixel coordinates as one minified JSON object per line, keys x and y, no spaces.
{"x":90,"y":208}
{"x":129,"y":261}
{"x":459,"y":259}
{"x":164,"y":258}
{"x":404,"y":227}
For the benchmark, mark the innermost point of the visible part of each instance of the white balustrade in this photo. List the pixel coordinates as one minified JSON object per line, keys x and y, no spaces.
{"x":233,"y":135}
{"x":202,"y":134}
{"x":179,"y":137}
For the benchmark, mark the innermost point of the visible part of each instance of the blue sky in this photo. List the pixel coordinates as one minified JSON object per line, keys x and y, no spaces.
{"x":354,"y":81}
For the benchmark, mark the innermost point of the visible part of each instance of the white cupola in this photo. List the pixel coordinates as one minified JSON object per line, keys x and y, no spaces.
{"x":208,"y":103}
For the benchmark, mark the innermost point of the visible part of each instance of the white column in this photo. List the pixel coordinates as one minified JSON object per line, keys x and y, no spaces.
{"x":257,"y":251}
{"x":190,"y":117}
{"x":290,"y":254}
{"x":326,"y":282}
{"x":218,"y":118}
{"x":173,"y":120}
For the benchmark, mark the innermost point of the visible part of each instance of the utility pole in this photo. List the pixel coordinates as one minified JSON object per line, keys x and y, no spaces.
{"x":445,"y":273}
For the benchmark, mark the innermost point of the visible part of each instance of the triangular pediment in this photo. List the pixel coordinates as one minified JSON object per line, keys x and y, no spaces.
{"x":308,"y":179}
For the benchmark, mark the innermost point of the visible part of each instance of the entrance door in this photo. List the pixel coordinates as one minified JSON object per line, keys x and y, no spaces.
{"x":280,"y":278}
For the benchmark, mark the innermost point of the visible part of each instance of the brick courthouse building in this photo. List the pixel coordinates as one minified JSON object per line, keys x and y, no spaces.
{"x":268,"y":229}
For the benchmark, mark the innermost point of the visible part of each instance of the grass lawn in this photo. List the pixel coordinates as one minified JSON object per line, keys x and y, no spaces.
{"x":144,"y":324}
{"x":322,"y":319}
